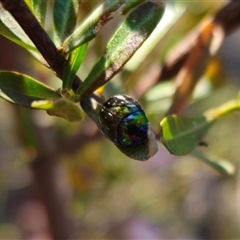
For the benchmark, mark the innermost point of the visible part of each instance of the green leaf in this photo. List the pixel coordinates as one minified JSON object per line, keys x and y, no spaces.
{"x":11,"y":36}
{"x":10,"y":29}
{"x":61,"y":107}
{"x":125,"y":42}
{"x":23,"y":90}
{"x":74,"y":61}
{"x":129,"y":5}
{"x":65,"y":17}
{"x":221,"y":165}
{"x":181,"y":135}
{"x":91,"y":26}
{"x":28,"y":92}
{"x":39,"y":8}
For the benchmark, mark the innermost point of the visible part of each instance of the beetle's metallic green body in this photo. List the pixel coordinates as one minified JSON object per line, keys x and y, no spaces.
{"x":124,"y":122}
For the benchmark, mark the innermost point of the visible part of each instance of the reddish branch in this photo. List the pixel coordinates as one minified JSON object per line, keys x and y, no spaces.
{"x":224,"y":22}
{"x":228,"y":18}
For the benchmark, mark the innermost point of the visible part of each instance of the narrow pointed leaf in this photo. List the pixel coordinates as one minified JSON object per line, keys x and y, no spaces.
{"x":65,"y":17}
{"x":129,"y":5}
{"x":28,"y":92}
{"x":14,"y":33}
{"x":23,"y":90}
{"x":61,"y":107}
{"x":91,"y":26}
{"x":10,"y":29}
{"x":5,"y":31}
{"x":39,"y":8}
{"x":221,"y":165}
{"x":181,"y":135}
{"x":75,"y":59}
{"x":125,"y":42}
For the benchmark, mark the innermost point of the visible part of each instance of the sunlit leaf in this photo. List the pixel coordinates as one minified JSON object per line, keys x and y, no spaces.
{"x":61,"y":107}
{"x":10,"y":29}
{"x":91,"y":26}
{"x":181,"y":135}
{"x":129,"y":5}
{"x":28,"y":92}
{"x":23,"y":90}
{"x":125,"y":42}
{"x":39,"y":8}
{"x":65,"y":17}
{"x":75,"y":59}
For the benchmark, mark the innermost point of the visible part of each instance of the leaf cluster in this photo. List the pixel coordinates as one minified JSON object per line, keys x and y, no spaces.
{"x":65,"y":49}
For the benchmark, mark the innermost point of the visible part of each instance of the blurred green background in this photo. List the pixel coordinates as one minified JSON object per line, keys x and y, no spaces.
{"x":103,"y":193}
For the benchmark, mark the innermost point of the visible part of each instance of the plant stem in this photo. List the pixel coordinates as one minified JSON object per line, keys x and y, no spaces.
{"x":223,"y":110}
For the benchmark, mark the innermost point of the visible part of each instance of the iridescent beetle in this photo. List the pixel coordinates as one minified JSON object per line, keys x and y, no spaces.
{"x":123,"y":121}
